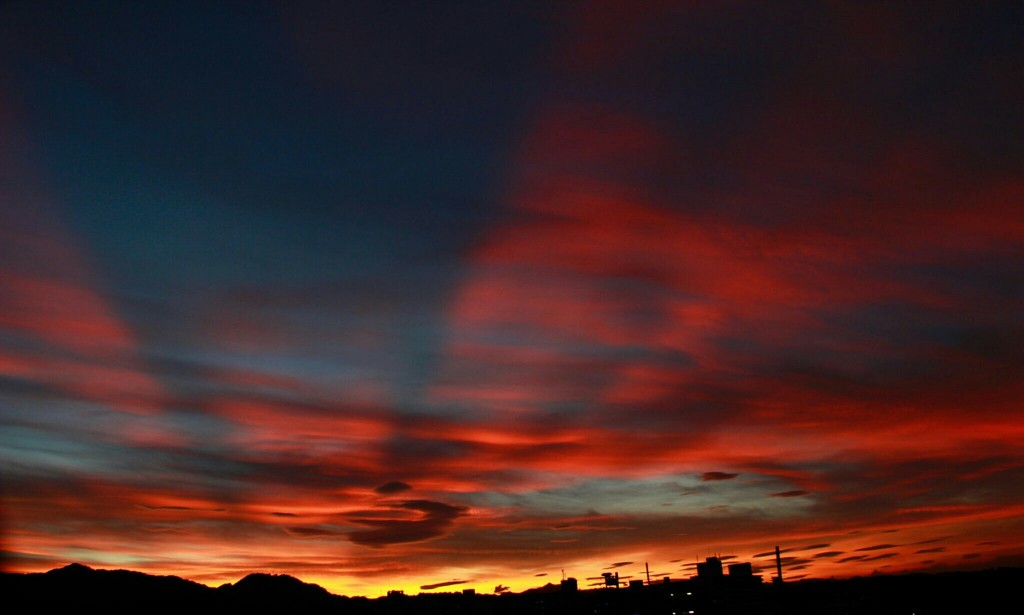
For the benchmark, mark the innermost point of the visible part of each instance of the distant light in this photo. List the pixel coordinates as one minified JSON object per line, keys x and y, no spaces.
{"x":689,"y":593}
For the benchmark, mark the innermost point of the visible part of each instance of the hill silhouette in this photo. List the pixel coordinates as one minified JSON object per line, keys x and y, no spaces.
{"x":79,"y":587}
{"x":274,"y":590}
{"x":85,"y":586}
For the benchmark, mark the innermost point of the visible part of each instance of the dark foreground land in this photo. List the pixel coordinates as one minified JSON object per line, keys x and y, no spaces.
{"x":79,"y":587}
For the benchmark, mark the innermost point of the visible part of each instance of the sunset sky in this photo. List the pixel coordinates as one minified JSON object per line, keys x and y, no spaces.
{"x":453,"y":295}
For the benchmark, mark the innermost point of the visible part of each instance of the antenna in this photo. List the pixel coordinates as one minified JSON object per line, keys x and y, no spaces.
{"x":563,"y":574}
{"x":648,"y":570}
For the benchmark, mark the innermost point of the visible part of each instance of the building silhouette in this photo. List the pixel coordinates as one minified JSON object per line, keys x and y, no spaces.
{"x":709,"y":569}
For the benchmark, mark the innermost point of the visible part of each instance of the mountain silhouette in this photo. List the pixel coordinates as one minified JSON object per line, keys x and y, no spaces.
{"x":79,"y":586}
{"x":275,"y":590}
{"x":547,"y":588}
{"x":83,"y":586}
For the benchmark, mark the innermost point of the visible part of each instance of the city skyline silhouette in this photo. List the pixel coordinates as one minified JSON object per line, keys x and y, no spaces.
{"x":708,"y":593}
